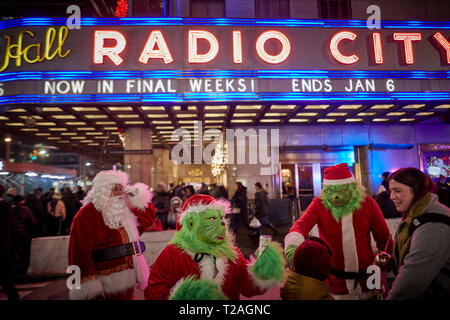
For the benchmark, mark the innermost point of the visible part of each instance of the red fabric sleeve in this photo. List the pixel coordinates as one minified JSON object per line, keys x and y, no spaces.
{"x":81,"y":243}
{"x":145,"y":217}
{"x":248,"y":287}
{"x":308,"y":219}
{"x":163,"y":276}
{"x":380,"y":230}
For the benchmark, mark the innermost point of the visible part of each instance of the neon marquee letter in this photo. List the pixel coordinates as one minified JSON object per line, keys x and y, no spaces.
{"x":377,"y":49}
{"x":237,"y":47}
{"x":111,"y":52}
{"x":148,"y":52}
{"x":285,"y":47}
{"x":338,"y":37}
{"x":444,"y":43}
{"x":194,"y":56}
{"x":407,"y":39}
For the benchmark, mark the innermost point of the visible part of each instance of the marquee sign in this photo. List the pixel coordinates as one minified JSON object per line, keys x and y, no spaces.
{"x":182,"y":60}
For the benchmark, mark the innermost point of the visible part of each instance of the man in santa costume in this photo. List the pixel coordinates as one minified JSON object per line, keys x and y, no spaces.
{"x":345,"y":217}
{"x":202,"y":263}
{"x":104,"y":238}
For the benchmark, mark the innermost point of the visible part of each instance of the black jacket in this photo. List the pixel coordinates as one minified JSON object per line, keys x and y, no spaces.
{"x":261,"y":203}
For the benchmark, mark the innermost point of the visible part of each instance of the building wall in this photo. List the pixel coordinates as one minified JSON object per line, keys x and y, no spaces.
{"x":309,"y":9}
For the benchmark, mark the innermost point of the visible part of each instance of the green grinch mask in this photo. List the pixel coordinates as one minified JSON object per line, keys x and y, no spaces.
{"x":205,"y":232}
{"x":342,"y":199}
{"x":211,"y":228}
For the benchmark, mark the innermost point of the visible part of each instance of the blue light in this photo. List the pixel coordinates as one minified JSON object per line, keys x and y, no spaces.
{"x":259,"y":74}
{"x":177,"y":21}
{"x":222,"y":97}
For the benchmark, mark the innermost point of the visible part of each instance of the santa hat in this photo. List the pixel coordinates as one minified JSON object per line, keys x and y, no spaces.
{"x":312,"y":259}
{"x":338,"y":174}
{"x":199,"y":203}
{"x":109,"y":177}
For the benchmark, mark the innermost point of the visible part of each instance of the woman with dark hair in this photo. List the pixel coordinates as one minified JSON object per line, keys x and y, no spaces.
{"x":421,"y":258}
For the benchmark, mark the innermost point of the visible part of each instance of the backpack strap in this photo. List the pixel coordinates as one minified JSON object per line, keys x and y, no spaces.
{"x":428,"y":217}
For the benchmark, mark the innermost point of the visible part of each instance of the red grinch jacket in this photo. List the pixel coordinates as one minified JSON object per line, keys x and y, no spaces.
{"x":89,"y":233}
{"x":348,"y":239}
{"x":174,"y":265}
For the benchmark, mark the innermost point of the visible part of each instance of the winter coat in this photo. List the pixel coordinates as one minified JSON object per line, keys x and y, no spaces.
{"x":161,"y":201}
{"x":59,"y":210}
{"x":424,"y":273}
{"x":261,"y":203}
{"x":299,"y":287}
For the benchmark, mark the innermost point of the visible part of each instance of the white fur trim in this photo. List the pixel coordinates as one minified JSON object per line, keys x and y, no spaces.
{"x":293,"y":239}
{"x":219,"y":204}
{"x":208,"y":267}
{"x":339,"y":181}
{"x":175,"y":287}
{"x":350,"y":254}
{"x":89,"y":290}
{"x":109,"y":177}
{"x":141,"y":195}
{"x":142,"y":271}
{"x":118,"y":281}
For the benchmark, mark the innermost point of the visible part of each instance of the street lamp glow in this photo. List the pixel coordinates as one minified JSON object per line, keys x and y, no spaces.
{"x":8,"y":139}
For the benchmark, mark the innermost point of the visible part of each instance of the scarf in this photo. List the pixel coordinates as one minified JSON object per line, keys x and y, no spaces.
{"x":403,"y":238}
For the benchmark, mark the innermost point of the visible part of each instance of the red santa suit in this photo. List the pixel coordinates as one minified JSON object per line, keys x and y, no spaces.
{"x":174,"y":265}
{"x":105,"y":222}
{"x":349,"y":240}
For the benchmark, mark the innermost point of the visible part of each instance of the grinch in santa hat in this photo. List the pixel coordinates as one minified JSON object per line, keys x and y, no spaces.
{"x":202,"y":263}
{"x":345,"y":217}
{"x":104,"y":238}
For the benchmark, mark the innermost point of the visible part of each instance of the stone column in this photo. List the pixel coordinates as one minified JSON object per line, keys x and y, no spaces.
{"x":139,"y":163}
{"x":363,"y":167}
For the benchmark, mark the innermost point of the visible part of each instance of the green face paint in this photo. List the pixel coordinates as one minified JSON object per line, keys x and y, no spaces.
{"x":205,"y":232}
{"x":342,"y":199}
{"x":338,"y":195}
{"x":211,"y":228}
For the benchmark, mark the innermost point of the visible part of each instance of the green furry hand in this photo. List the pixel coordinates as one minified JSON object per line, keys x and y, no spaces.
{"x":202,"y":289}
{"x":270,"y":265}
{"x":290,"y":251}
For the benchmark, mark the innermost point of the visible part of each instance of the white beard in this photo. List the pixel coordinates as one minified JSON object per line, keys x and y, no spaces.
{"x":116,"y":213}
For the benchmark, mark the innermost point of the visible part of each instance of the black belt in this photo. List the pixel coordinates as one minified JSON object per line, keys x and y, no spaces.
{"x":128,"y":249}
{"x":348,"y":275}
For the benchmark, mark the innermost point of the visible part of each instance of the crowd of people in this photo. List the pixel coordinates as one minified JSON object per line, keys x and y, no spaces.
{"x":22,"y":218}
{"x":324,"y":267}
{"x":168,"y":201}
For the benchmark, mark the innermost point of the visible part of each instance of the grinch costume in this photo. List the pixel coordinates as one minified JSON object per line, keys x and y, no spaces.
{"x":202,"y":263}
{"x":345,"y":218}
{"x":104,"y":238}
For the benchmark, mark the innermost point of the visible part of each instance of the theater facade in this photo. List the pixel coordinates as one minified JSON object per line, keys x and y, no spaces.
{"x":330,"y":91}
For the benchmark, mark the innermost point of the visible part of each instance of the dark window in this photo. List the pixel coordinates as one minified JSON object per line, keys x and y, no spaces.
{"x":207,"y":8}
{"x":335,"y":9}
{"x":150,"y":8}
{"x":272,"y":9}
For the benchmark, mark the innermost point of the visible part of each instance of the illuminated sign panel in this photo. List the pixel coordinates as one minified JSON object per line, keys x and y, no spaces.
{"x":139,"y":60}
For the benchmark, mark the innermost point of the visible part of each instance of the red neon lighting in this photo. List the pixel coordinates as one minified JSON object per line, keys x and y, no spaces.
{"x":156,"y":37}
{"x":444,"y":43}
{"x":112,"y":53}
{"x":338,"y":37}
{"x":194,"y":56}
{"x":285,"y":47}
{"x":377,"y":49}
{"x":407,"y":39}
